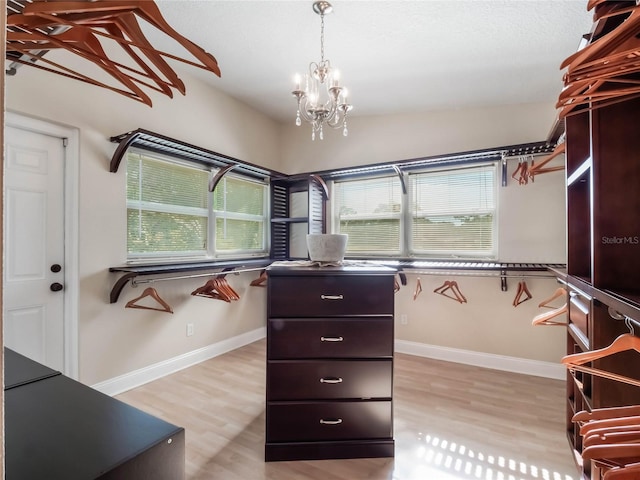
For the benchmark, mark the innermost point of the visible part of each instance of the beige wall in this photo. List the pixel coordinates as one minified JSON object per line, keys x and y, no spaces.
{"x":400,"y":137}
{"x":531,"y":222}
{"x":114,"y":341}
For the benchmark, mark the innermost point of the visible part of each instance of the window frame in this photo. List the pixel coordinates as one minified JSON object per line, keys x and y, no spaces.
{"x":412,"y":251}
{"x":407,"y":249}
{"x":211,"y":253}
{"x":335,"y":216}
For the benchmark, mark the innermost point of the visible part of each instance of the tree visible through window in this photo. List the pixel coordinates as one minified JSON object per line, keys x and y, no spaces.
{"x":170,"y":212}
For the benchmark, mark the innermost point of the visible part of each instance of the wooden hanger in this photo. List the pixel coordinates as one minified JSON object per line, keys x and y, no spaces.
{"x":210,"y":290}
{"x":629,"y":434}
{"x":522,"y":290}
{"x":453,"y":286}
{"x":625,"y":342}
{"x":145,"y":9}
{"x":223,"y":285}
{"x":547,"y":318}
{"x":150,"y":292}
{"x":605,"y":413}
{"x":261,"y":280}
{"x":124,"y":29}
{"x":521,"y":172}
{"x":609,"y":451}
{"x":112,"y":19}
{"x":80,"y":42}
{"x":605,"y":44}
{"x":538,"y":168}
{"x":560,"y":292}
{"x":217,"y":288}
{"x":418,"y":289}
{"x":623,"y":472}
{"x":610,"y":425}
{"x":67,"y":72}
{"x":598,"y":74}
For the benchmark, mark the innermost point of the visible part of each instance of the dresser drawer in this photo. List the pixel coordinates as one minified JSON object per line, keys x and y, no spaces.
{"x":318,"y":421}
{"x":330,"y":295}
{"x":579,"y":308}
{"x":329,"y":379}
{"x":330,"y":338}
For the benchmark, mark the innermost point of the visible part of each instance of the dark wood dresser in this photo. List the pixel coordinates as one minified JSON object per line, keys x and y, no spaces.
{"x":329,"y":363}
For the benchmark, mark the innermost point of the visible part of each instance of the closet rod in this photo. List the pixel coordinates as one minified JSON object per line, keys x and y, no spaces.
{"x":135,"y":282}
{"x":473,"y":274}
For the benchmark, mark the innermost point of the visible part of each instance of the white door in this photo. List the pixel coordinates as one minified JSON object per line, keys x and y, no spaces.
{"x":34,"y":268}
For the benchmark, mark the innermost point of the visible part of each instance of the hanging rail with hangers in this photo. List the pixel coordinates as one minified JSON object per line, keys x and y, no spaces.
{"x":177,"y":272}
{"x":501,"y":270}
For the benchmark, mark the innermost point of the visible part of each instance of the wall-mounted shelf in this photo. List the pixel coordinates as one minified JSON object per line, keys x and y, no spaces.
{"x":131,"y":272}
{"x":477,"y":268}
{"x":158,"y":143}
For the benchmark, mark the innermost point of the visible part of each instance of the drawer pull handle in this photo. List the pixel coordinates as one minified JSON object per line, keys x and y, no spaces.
{"x":331,"y":380}
{"x":331,"y":339}
{"x":337,"y":421}
{"x":331,"y":297}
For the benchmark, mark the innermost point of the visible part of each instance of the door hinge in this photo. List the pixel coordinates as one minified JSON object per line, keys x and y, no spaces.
{"x":65,"y":142}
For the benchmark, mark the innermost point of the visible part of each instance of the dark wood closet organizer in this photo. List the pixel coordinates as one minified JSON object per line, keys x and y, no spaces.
{"x":329,"y":387}
{"x":603,"y":256}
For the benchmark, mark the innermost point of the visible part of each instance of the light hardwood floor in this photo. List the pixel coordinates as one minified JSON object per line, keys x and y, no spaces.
{"x":452,"y":421}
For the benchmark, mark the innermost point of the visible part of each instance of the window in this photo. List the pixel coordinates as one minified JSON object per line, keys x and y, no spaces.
{"x":239,"y":206}
{"x":453,"y":212}
{"x":171,"y":214}
{"x":446,"y":213}
{"x":370,"y":212}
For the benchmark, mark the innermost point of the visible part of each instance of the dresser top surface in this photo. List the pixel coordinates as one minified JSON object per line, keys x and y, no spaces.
{"x":312,"y":269}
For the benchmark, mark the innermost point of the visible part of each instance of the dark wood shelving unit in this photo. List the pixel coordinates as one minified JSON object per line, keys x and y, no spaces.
{"x":603,"y":251}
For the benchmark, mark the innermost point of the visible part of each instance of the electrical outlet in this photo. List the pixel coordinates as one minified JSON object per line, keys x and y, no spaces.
{"x":404,"y":319}
{"x":189,"y":329}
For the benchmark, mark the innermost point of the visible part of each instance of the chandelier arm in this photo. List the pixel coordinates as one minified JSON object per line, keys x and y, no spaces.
{"x":336,"y":119}
{"x":304,"y":112}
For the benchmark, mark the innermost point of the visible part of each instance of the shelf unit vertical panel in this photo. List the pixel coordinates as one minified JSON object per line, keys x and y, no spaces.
{"x":578,"y":140}
{"x":579,"y":234}
{"x":616,"y":205}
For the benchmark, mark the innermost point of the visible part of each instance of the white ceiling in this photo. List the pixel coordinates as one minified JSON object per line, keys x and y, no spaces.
{"x":394,"y":56}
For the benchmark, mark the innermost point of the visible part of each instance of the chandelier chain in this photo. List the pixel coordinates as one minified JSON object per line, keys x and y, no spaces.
{"x":321,"y":38}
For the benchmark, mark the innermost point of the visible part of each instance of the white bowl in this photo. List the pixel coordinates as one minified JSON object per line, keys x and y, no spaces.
{"x":327,"y":247}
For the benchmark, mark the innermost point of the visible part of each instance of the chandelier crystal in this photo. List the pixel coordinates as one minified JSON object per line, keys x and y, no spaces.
{"x":321,"y":98}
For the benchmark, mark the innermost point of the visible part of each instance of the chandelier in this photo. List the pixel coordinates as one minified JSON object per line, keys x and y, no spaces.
{"x":322,"y":101}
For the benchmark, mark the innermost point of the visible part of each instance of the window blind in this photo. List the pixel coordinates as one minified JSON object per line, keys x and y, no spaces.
{"x":453,"y":212}
{"x":369,"y":211}
{"x":166,"y":207}
{"x":240,"y":214}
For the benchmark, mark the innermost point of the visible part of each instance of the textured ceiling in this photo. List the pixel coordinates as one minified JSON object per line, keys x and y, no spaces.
{"x":394,"y":56}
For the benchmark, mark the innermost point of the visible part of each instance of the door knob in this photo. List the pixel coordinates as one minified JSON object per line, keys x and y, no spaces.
{"x":56,"y":287}
{"x":55,"y":268}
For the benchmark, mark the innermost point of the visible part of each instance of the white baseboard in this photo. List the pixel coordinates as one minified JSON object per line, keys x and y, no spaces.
{"x":158,"y":370}
{"x":487,"y":360}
